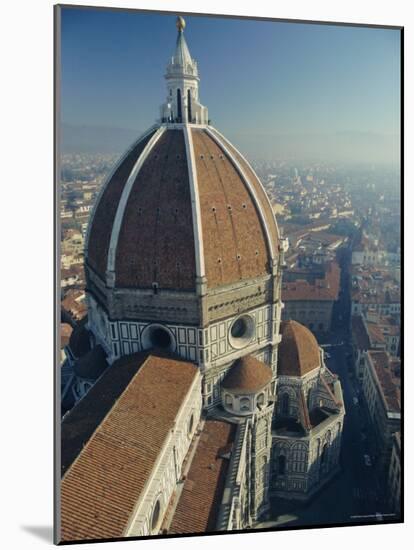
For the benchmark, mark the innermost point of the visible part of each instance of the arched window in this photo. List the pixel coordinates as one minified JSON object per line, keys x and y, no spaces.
{"x":155,"y":516}
{"x":191,"y":424}
{"x":261,"y":399}
{"x":189,"y":105}
{"x":324,"y":456}
{"x":285,"y":404}
{"x":179,"y":111}
{"x":281,"y":465}
{"x":308,"y":398}
{"x":244,"y":404}
{"x":264,"y":469}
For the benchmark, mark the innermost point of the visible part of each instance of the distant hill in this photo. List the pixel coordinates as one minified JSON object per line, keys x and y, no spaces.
{"x":336,"y":147}
{"x":96,"y":139}
{"x":347,"y":147}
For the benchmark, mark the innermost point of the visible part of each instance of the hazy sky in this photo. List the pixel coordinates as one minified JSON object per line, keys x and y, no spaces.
{"x":276,"y":88}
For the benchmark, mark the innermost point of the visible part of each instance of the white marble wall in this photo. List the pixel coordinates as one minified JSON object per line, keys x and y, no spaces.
{"x":209,"y":347}
{"x":167,"y":470}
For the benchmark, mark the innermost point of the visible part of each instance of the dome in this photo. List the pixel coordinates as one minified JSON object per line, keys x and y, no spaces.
{"x":247,"y":375}
{"x":181,"y":204}
{"x":298,"y":351}
{"x":92,"y":364}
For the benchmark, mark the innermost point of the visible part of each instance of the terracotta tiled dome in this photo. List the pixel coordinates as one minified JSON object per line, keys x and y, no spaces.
{"x":247,"y":375}
{"x":181,"y":203}
{"x":298,"y":351}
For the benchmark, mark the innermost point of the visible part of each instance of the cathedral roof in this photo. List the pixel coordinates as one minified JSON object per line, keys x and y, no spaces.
{"x":112,"y":439}
{"x":182,"y":204}
{"x":247,"y":375}
{"x":298,"y":352}
{"x":203,"y":489}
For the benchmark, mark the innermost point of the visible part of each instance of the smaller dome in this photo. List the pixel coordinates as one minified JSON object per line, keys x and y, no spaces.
{"x":91,"y":365}
{"x":247,"y":375}
{"x":298,"y":351}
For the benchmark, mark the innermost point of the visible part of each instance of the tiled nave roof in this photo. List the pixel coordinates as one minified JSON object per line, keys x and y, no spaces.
{"x":104,"y":481}
{"x":199,"y":504}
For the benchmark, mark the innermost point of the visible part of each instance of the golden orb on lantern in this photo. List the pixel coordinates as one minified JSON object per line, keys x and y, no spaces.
{"x":180,"y":23}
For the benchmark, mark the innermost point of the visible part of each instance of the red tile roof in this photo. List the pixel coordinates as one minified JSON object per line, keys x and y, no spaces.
{"x":156,"y":240}
{"x":326,"y":289}
{"x":101,"y":224}
{"x":101,"y":487}
{"x":375,"y":334}
{"x":158,"y":220}
{"x":199,"y":504}
{"x":261,"y":194}
{"x":389,"y":389}
{"x":74,"y":304}
{"x":235,"y":245}
{"x":298,"y":351}
{"x":65,"y":334}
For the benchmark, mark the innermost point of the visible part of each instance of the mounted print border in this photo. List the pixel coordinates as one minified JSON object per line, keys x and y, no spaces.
{"x":229,"y":339}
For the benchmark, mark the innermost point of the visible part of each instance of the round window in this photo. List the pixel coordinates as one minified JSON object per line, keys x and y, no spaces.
{"x":239,"y":327}
{"x":241,"y":331}
{"x":156,"y":516}
{"x":158,"y":337}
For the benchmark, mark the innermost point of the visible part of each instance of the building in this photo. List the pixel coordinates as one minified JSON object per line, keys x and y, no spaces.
{"x":308,"y":425}
{"x":382,"y":394}
{"x":367,"y":252}
{"x":375,"y":292}
{"x":73,"y":306}
{"x":394,"y":475}
{"x":174,"y":371}
{"x":374,"y":333}
{"x":377,"y":302}
{"x":386,"y":330}
{"x":163,"y":396}
{"x":310,"y":298}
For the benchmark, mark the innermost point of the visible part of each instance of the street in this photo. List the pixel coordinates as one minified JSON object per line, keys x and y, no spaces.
{"x":354,"y":495}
